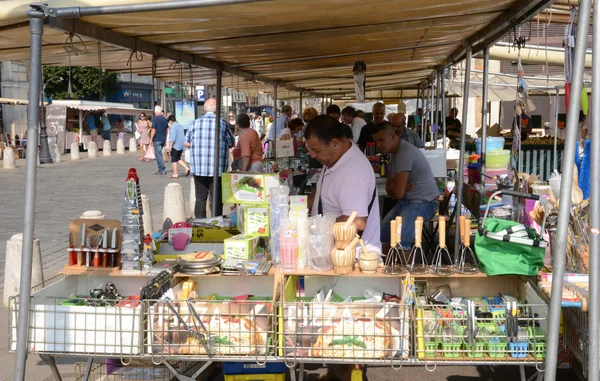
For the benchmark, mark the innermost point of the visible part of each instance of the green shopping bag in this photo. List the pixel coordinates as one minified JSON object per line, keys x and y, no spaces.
{"x":500,"y":254}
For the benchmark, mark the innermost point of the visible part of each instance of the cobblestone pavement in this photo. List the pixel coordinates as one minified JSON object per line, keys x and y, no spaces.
{"x":67,"y":189}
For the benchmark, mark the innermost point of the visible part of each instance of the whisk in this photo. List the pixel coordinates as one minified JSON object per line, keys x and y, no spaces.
{"x":438,"y":267}
{"x":394,"y":263}
{"x":399,"y":241}
{"x":467,"y":263}
{"x":417,"y":254}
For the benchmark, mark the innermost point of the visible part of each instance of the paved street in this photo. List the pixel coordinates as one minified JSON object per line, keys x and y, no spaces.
{"x":67,"y":189}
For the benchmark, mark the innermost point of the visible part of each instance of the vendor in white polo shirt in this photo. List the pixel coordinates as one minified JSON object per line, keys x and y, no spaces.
{"x":347,"y":182}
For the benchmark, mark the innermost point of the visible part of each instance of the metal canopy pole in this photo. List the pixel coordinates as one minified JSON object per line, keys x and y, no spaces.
{"x":443,"y":89}
{"x":461,"y":159}
{"x":425,"y":98}
{"x":484,"y":111}
{"x":555,"y":153}
{"x":216,"y":189}
{"x":418,"y":102}
{"x":594,"y":302}
{"x":301,"y":108}
{"x":45,"y":156}
{"x":36,"y":30}
{"x":559,"y":254}
{"x":77,"y":12}
{"x":436,"y":116}
{"x":274,"y":124}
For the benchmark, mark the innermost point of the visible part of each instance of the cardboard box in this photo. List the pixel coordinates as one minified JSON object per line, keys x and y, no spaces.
{"x":254,"y":221}
{"x":216,"y":234}
{"x":248,"y":187}
{"x":243,"y":247}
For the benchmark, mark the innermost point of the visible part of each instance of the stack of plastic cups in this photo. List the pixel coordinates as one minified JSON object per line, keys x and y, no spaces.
{"x":278,"y":203}
{"x":299,"y":213}
{"x":288,"y":241}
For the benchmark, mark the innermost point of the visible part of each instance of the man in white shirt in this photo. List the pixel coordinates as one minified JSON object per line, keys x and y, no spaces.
{"x":347,"y":182}
{"x":356,"y":124}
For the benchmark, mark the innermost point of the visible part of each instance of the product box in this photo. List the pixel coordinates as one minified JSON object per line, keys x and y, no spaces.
{"x":253,"y":220}
{"x":247,"y":187}
{"x":212,"y":234}
{"x":243,"y":247}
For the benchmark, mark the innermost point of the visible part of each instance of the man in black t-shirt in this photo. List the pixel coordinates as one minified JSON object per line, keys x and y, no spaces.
{"x":366,"y":134}
{"x":453,"y":125}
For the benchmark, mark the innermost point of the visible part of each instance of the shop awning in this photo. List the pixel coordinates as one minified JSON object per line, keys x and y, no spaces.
{"x":109,"y":107}
{"x":298,"y":44}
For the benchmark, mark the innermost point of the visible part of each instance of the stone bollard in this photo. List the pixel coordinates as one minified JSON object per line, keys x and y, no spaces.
{"x":147,"y":216}
{"x":92,"y":215}
{"x":106,"y":148}
{"x":12,"y":267}
{"x":192,"y":195}
{"x":9,"y":159}
{"x":74,"y":151}
{"x":120,"y":147}
{"x":92,"y":150}
{"x":57,"y":153}
{"x":132,"y":145}
{"x":174,"y":204}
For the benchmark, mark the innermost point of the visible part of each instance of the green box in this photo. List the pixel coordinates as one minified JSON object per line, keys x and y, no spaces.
{"x":244,"y":247}
{"x":254,"y":220}
{"x":248,"y":188}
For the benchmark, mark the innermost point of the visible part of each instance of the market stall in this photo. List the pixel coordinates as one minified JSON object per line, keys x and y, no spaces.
{"x":65,"y":121}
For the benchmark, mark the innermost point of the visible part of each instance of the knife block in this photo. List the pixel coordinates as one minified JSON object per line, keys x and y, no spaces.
{"x":93,"y":228}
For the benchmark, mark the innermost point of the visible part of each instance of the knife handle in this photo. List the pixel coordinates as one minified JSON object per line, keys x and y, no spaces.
{"x":97,"y":258}
{"x":105,"y":259}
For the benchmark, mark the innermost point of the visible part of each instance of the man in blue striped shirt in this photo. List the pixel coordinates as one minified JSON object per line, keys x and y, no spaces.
{"x":200,"y":139}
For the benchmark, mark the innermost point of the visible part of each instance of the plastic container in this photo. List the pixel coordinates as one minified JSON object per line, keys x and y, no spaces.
{"x":474,"y":176}
{"x":491,"y":144}
{"x":255,"y":377}
{"x":288,"y":241}
{"x":497,"y":159}
{"x":253,"y":368}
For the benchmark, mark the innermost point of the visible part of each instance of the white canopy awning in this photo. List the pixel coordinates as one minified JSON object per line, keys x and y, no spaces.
{"x":502,"y":87}
{"x":109,"y":107}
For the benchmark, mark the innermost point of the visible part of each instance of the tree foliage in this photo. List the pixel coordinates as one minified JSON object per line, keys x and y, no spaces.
{"x":84,"y":82}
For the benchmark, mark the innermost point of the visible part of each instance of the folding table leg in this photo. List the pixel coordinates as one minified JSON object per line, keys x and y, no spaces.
{"x":49,"y":360}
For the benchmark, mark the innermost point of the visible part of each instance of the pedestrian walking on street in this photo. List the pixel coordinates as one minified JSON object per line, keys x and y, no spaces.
{"x":160,"y":129}
{"x":143,"y":127}
{"x":176,"y":146}
{"x":201,"y":140}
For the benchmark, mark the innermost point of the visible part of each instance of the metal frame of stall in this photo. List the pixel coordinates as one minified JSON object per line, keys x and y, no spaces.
{"x":40,"y":12}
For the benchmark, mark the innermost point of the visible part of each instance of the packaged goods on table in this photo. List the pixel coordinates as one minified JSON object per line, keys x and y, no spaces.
{"x":248,"y":188}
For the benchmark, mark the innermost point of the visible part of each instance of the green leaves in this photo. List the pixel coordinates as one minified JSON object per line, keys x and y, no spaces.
{"x":349,"y":341}
{"x":222,"y":340}
{"x":84,"y":82}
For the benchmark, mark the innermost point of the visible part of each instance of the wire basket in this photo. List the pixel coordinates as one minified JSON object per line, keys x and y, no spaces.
{"x":80,"y":326}
{"x":442,"y":336}
{"x":220,"y":329}
{"x":344,"y":332}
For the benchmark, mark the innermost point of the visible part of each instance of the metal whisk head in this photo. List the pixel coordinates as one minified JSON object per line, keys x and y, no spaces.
{"x":395,"y":260}
{"x":442,"y":263}
{"x":467,"y":263}
{"x":418,"y":262}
